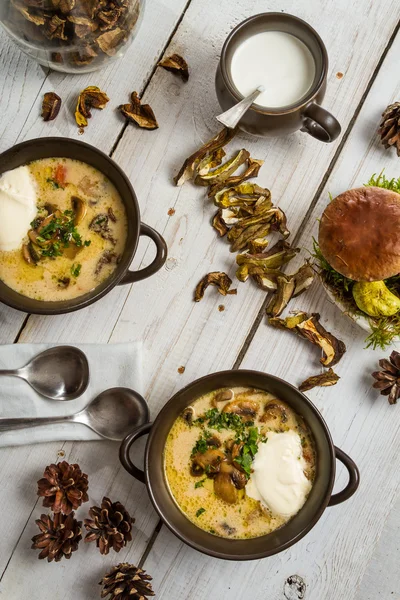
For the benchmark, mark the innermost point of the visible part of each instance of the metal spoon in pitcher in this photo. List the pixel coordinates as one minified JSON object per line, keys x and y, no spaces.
{"x":231,"y":117}
{"x":59,"y":373}
{"x":112,"y":414}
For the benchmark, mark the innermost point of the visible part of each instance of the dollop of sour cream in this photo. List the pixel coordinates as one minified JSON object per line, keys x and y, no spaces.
{"x":278,"y":479}
{"x":18,"y":197}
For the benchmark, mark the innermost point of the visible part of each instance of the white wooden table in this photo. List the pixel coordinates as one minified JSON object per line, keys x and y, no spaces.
{"x":352,"y":553}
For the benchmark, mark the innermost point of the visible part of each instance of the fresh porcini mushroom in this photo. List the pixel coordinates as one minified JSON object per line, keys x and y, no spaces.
{"x":188,"y":415}
{"x":80,"y":209}
{"x":332,"y":348}
{"x":375,"y":299}
{"x":359,"y":234}
{"x":274,"y":414}
{"x":209,"y":461}
{"x":247,"y":409}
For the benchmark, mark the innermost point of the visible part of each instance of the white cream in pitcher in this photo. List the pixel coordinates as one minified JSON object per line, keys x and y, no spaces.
{"x":278,"y":61}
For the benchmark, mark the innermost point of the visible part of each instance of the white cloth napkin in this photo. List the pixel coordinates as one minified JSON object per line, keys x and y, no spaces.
{"x":110,"y":365}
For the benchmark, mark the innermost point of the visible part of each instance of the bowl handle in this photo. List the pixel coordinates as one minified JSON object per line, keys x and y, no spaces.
{"x":354,"y":478}
{"x":161,"y":257}
{"x":125,"y":447}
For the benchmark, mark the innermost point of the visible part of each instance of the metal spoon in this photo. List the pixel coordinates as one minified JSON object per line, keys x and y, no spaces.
{"x":112,"y":414}
{"x":59,"y":373}
{"x":231,"y":117}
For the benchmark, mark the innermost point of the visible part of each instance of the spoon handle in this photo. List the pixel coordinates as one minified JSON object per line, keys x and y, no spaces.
{"x":10,"y":424}
{"x":231,"y":117}
{"x":10,"y":372}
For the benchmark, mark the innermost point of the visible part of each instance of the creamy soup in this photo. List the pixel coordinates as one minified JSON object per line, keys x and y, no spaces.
{"x":77,"y":235}
{"x":239,"y":462}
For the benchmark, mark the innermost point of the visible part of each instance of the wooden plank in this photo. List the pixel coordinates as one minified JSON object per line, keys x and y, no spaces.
{"x":177,"y":332}
{"x":340,"y":557}
{"x":380,"y":573}
{"x":24,"y":82}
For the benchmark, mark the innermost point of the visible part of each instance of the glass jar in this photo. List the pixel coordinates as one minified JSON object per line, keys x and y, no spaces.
{"x":73,"y":36}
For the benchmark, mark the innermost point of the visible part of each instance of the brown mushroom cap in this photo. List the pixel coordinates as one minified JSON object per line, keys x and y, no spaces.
{"x":359,"y":234}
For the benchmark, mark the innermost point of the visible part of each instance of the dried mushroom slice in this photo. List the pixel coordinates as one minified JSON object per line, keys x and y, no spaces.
{"x":332,"y":348}
{"x":258,"y":245}
{"x":176,"y":64}
{"x":140,"y":114}
{"x":253,"y":167}
{"x":90,"y":97}
{"x":323,"y":380}
{"x":222,"y":173}
{"x":54,"y":28}
{"x":303,"y":279}
{"x":217,"y":278}
{"x":51,"y":106}
{"x":280,"y":254}
{"x":109,"y":41}
{"x":282,"y":297}
{"x":218,"y":224}
{"x":210,"y":161}
{"x":289,"y":322}
{"x":248,"y":196}
{"x":187,"y":170}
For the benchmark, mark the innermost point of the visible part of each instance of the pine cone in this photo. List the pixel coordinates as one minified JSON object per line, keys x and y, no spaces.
{"x":389,"y":127}
{"x":64,"y":487}
{"x":126,"y":582}
{"x":110,"y":526}
{"x":388,"y":380}
{"x":59,"y":537}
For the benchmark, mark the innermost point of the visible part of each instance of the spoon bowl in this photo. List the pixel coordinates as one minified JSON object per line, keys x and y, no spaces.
{"x":112,"y":415}
{"x":59,"y":373}
{"x":115,"y":412}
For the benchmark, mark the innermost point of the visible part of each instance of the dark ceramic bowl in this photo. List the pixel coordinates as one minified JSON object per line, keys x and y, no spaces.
{"x":320,"y":496}
{"x":24,"y":153}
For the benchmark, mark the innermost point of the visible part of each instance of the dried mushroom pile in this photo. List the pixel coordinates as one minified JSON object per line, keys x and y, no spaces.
{"x":78,"y":31}
{"x":245,"y":217}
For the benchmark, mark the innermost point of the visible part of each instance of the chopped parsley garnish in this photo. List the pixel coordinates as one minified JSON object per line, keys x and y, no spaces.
{"x":200,"y":483}
{"x":224,"y":420}
{"x":54,"y":183}
{"x":248,"y":450}
{"x":76,"y":269}
{"x":200,"y":512}
{"x":200,"y":446}
{"x":60,"y":231}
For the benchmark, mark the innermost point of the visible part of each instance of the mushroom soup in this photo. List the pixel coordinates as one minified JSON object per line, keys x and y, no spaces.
{"x":239,"y":462}
{"x":64,"y":228}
